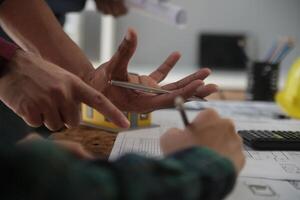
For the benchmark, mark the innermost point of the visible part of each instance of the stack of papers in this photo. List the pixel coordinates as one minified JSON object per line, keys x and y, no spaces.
{"x":267,"y":174}
{"x":241,"y":110}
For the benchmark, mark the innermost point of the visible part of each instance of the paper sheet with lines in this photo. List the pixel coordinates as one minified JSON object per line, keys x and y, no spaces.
{"x":280,"y":165}
{"x":246,"y":110}
{"x":260,"y":164}
{"x":144,"y":142}
{"x":264,"y":189}
{"x":277,"y":165}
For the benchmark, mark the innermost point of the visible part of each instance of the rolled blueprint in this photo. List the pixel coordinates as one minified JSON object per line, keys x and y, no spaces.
{"x":160,"y":9}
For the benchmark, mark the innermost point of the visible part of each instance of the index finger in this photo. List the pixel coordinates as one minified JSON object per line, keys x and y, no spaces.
{"x":95,"y":99}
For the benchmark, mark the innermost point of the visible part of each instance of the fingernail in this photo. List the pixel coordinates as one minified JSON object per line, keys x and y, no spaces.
{"x":128,"y":36}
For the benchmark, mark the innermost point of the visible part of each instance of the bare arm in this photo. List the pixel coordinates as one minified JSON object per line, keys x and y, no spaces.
{"x":34,"y":28}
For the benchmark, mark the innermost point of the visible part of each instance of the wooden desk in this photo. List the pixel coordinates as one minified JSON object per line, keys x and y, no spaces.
{"x":100,"y":143}
{"x":97,"y":142}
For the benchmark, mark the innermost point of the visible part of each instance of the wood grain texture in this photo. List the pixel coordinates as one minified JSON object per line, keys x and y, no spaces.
{"x":97,"y":142}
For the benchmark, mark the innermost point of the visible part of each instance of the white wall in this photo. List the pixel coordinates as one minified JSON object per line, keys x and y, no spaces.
{"x":263,"y":20}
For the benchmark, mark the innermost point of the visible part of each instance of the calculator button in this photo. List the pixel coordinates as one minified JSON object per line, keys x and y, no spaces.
{"x":271,"y":140}
{"x":297,"y":134}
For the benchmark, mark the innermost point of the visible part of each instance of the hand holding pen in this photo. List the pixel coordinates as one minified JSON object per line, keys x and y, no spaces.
{"x":208,"y":131}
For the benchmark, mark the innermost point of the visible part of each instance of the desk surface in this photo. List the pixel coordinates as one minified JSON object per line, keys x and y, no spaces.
{"x":97,"y":142}
{"x":100,"y":143}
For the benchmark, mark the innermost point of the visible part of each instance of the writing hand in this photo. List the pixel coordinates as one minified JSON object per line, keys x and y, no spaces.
{"x":207,"y":130}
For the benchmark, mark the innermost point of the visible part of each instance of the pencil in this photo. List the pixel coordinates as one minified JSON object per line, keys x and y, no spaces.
{"x":179,"y":106}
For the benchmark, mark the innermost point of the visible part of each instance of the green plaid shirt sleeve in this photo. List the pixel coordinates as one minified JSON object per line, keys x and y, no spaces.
{"x":42,"y":171}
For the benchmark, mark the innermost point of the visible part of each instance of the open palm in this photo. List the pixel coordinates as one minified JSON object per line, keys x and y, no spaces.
{"x":130,"y":100}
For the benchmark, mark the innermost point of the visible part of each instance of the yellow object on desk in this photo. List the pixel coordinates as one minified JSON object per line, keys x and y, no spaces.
{"x":289,"y":98}
{"x":91,"y":117}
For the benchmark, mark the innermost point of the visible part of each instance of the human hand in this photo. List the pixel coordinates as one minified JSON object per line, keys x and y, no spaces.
{"x":73,"y":147}
{"x":115,"y":8}
{"x":43,"y":93}
{"x":207,"y":130}
{"x":130,"y":100}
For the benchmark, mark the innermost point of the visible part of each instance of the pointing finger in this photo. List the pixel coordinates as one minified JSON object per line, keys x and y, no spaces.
{"x":95,"y":99}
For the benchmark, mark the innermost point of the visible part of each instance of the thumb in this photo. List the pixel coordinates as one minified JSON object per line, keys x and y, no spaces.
{"x":96,"y":100}
{"x":119,"y":62}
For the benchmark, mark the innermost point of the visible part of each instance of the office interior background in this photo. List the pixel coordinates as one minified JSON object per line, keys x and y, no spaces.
{"x":262,"y":22}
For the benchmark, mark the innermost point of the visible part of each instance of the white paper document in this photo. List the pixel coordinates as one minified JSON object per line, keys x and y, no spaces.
{"x":246,"y":110}
{"x":267,"y":175}
{"x":144,"y":142}
{"x":261,"y":164}
{"x":171,"y":118}
{"x":264,"y":189}
{"x":281,"y":165}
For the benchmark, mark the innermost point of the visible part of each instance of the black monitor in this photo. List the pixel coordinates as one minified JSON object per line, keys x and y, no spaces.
{"x":223,"y":51}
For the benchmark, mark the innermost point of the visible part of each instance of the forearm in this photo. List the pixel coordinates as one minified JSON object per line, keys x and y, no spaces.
{"x":34,"y":28}
{"x":192,"y":174}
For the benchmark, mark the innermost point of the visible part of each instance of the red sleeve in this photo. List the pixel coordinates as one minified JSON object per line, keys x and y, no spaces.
{"x":7,"y":49}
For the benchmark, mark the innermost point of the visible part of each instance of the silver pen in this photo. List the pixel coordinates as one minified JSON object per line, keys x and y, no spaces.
{"x":152,"y":90}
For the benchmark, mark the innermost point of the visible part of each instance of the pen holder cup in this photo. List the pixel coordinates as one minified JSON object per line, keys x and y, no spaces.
{"x":262,"y":81}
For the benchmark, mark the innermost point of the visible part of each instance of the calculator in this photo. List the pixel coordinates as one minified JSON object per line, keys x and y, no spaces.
{"x":271,"y":140}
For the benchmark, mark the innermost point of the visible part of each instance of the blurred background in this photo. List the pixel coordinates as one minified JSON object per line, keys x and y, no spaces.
{"x":207,"y":40}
